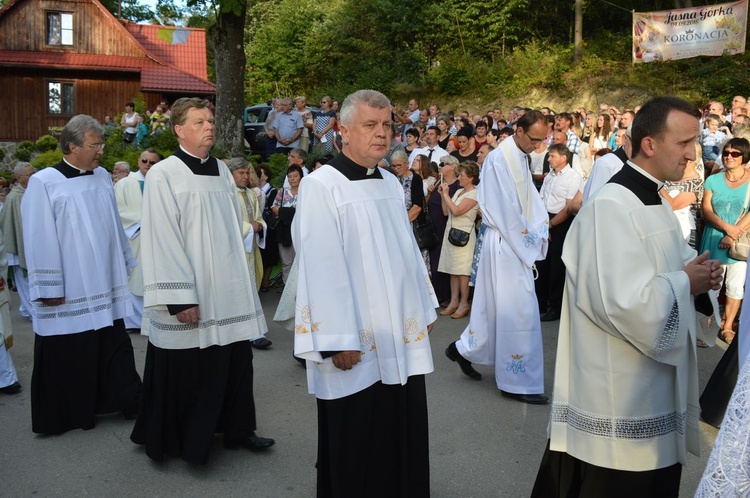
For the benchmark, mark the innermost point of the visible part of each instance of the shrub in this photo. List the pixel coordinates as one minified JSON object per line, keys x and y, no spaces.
{"x":46,"y":143}
{"x":48,"y":158}
{"x":23,"y":154}
{"x":26,"y":145}
{"x":278,"y":164}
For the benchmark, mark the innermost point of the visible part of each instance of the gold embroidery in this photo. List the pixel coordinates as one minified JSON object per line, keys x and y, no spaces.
{"x":517,"y":356}
{"x":305,"y":314}
{"x":366,"y":338}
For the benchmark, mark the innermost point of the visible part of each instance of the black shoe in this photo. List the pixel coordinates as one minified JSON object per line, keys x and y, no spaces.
{"x":551,"y":316}
{"x":453,"y":355}
{"x":14,"y":388}
{"x":261,"y":343}
{"x":252,"y":442}
{"x":532,"y":399}
{"x":131,"y":412}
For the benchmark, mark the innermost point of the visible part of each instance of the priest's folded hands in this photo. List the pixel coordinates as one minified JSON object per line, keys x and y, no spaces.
{"x":52,"y":301}
{"x":191,"y":315}
{"x":346,"y":360}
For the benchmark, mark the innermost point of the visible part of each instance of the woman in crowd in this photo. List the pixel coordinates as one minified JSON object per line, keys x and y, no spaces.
{"x":601,"y":134}
{"x":444,"y":126}
{"x":324,"y":122}
{"x":466,"y":151}
{"x":270,"y":253}
{"x":447,"y":168}
{"x":411,"y":182}
{"x":412,"y":136}
{"x":284,"y":207}
{"x":130,"y":121}
{"x":423,"y":168}
{"x":461,"y":209}
{"x":588,"y":128}
{"x":685,"y":197}
{"x":724,"y":202}
{"x":480,"y":134}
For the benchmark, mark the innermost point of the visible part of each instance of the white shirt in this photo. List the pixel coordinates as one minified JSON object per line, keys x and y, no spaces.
{"x":560,"y":187}
{"x":437,"y":153}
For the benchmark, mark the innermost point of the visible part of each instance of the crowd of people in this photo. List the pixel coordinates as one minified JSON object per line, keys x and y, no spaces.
{"x":626,"y":227}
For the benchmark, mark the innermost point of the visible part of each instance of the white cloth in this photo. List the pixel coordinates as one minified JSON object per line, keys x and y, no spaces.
{"x":22,"y":286}
{"x":504,"y":329}
{"x":604,"y":168}
{"x":76,"y":249}
{"x":744,"y":332}
{"x":437,"y":153}
{"x":134,"y":321}
{"x":560,"y":187}
{"x":626,"y":386}
{"x":129,"y":198}
{"x":193,"y":253}
{"x":352,"y":293}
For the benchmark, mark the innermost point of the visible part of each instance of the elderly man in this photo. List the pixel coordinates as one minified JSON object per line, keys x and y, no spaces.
{"x":201,"y":306}
{"x":120,"y":170}
{"x":287,"y":127}
{"x":129,"y":195}
{"x":504,"y":329}
{"x":76,"y":253}
{"x":365,"y":335}
{"x":625,"y":406}
{"x":431,"y":149}
{"x":253,"y":229}
{"x":12,"y":230}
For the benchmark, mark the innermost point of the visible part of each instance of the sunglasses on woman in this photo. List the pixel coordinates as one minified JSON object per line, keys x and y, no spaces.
{"x":732,"y":153}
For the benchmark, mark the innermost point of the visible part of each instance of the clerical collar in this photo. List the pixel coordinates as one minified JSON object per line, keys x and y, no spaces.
{"x":640,"y":170}
{"x":70,"y":171}
{"x":205,"y":167}
{"x":353,"y":171}
{"x":641,"y":184}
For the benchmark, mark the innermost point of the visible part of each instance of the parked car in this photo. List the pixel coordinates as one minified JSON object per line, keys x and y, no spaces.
{"x":255,"y":133}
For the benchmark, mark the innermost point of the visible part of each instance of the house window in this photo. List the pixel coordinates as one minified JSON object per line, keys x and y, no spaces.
{"x":60,"y":98}
{"x":59,"y":28}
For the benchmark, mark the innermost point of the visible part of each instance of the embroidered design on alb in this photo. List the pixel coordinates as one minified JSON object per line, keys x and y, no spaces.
{"x":530,"y":239}
{"x":630,"y":428}
{"x":412,"y":331}
{"x":45,"y":277}
{"x":367,"y":340}
{"x":168,"y":286}
{"x":669,"y":335}
{"x":179,"y":327}
{"x":516,"y":364}
{"x":51,"y":312}
{"x":472,"y":339}
{"x":305,"y":314}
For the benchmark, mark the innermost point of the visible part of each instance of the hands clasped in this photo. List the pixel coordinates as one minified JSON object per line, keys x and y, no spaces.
{"x":346,"y":360}
{"x":704,"y":274}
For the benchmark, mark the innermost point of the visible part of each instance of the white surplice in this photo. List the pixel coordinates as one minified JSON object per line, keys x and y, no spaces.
{"x":129,"y":196}
{"x":193,"y":253}
{"x":362,"y":286}
{"x":626,"y":387}
{"x":505,"y":329}
{"x":75,"y":248}
{"x":8,"y":375}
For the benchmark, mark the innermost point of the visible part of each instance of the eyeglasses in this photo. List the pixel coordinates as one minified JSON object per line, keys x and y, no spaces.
{"x":443,"y":164}
{"x":398,"y":165}
{"x":144,"y":161}
{"x":732,"y":153}
{"x":95,"y":146}
{"x":536,"y":140}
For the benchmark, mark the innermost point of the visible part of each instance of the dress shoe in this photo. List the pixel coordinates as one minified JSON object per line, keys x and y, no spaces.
{"x":453,"y":355}
{"x":261,"y":343}
{"x":532,"y":399}
{"x":252,"y":442}
{"x":461,"y":314}
{"x":551,"y":316}
{"x":448,"y":311}
{"x":14,"y":388}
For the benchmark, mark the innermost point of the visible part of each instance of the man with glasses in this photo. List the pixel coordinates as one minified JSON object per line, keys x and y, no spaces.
{"x":287,"y":127}
{"x":504,"y":329}
{"x":129,"y":195}
{"x":78,"y":260}
{"x":12,"y":230}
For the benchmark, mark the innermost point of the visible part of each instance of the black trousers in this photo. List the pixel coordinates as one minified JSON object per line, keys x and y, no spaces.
{"x":77,"y":376}
{"x":374,"y":443}
{"x":551,"y":281}
{"x":563,"y":476}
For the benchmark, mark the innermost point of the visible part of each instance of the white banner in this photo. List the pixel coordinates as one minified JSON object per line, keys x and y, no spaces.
{"x":684,"y":33}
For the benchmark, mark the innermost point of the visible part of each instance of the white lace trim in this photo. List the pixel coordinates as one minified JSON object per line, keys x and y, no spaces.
{"x":611,"y":427}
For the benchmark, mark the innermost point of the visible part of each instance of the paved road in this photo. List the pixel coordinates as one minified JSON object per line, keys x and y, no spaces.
{"x":482,"y":445}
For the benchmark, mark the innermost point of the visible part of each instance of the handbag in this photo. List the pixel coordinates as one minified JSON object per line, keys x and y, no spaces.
{"x":741,"y":247}
{"x":424,"y":232}
{"x":457,"y":237}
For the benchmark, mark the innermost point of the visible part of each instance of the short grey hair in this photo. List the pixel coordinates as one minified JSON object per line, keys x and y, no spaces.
{"x":399,"y":155}
{"x":124,"y":164}
{"x":75,"y":131}
{"x":236,"y":163}
{"x":20,"y":167}
{"x":301,"y":153}
{"x":370,"y":98}
{"x":449,"y":160}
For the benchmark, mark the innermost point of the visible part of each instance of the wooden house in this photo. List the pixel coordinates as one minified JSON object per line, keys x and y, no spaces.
{"x":59,"y":58}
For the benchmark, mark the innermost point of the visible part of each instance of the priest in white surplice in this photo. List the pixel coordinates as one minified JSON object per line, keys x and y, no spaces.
{"x":504,"y":329}
{"x":10,"y":223}
{"x":625,"y":400}
{"x":129,"y":195}
{"x":365,"y":308}
{"x":201,"y":308}
{"x":77,"y":252}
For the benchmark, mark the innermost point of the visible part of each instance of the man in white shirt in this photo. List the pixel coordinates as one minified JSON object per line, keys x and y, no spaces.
{"x":432,"y":150}
{"x":558,"y":190}
{"x":408,"y":117}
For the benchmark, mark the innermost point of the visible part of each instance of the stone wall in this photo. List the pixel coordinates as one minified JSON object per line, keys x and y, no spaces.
{"x":9,"y":161}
